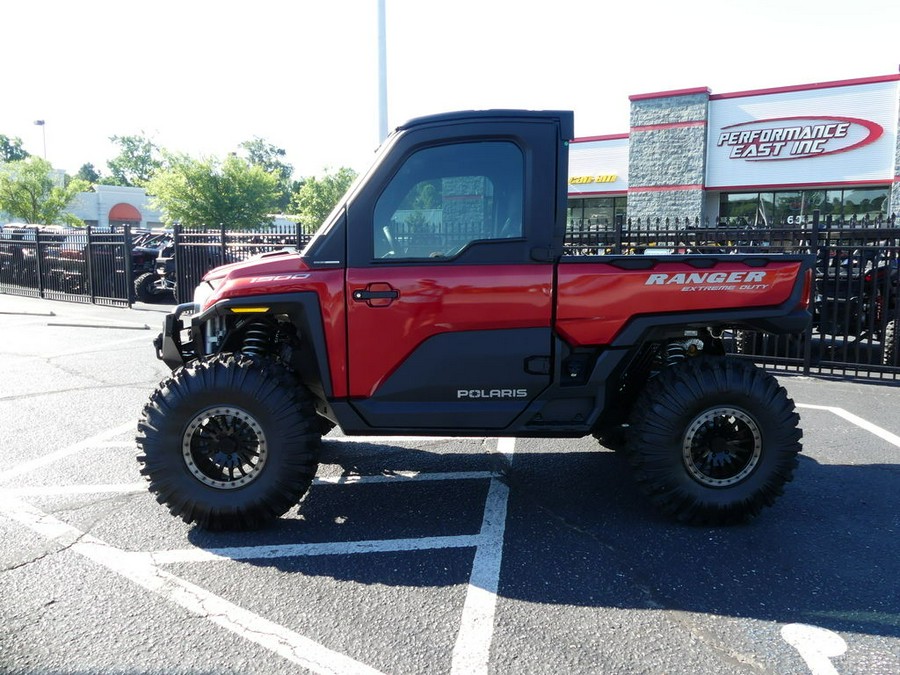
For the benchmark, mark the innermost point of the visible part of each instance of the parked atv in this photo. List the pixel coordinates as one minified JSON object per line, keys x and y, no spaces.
{"x":159,"y":283}
{"x":856,"y":298}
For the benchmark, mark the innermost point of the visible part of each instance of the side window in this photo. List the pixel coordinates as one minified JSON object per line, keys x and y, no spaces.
{"x":443,"y":198}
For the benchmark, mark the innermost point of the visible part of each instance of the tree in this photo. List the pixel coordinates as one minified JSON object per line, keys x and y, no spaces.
{"x":270,"y":157}
{"x":137,"y":161}
{"x":29,"y":192}
{"x":211,"y":193}
{"x":317,"y":197}
{"x":88,"y":173}
{"x":11,"y":149}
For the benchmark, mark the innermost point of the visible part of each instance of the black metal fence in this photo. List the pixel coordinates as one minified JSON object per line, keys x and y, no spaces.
{"x":60,"y":264}
{"x":84,"y":265}
{"x":855,"y":296}
{"x":198,"y":251}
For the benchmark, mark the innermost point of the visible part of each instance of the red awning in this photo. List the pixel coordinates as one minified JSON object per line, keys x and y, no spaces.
{"x":124,"y":212}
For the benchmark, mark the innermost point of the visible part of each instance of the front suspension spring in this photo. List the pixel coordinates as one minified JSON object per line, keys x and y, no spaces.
{"x":257,"y":339}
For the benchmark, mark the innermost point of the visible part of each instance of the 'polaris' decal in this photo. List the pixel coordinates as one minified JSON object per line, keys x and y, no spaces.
{"x":711,"y":281}
{"x":491,"y":393}
{"x":278,"y":277}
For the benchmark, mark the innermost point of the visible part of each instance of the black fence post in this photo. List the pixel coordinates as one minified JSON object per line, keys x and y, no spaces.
{"x":224,"y":257}
{"x":814,"y":249}
{"x":128,"y":246}
{"x":617,"y":234}
{"x":39,"y":252}
{"x":180,"y":263}
{"x":89,"y":266}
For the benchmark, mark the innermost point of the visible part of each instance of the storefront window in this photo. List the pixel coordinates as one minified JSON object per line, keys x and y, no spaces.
{"x":833,"y":204}
{"x":869,"y":203}
{"x":739,"y":209}
{"x":788,"y":206}
{"x":766,"y":209}
{"x":751,"y":209}
{"x":595,"y":211}
{"x":794,"y":207}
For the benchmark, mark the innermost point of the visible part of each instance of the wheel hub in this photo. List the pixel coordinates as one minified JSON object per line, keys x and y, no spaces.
{"x":722,"y":446}
{"x":224,"y":447}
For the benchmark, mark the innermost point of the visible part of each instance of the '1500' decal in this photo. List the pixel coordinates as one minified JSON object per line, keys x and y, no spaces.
{"x":278,"y":277}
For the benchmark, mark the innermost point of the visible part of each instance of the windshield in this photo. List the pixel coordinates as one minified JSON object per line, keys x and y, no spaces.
{"x":335,"y":216}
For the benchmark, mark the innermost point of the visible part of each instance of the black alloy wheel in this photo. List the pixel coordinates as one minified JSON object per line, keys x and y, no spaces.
{"x":229,"y":442}
{"x":713,"y":440}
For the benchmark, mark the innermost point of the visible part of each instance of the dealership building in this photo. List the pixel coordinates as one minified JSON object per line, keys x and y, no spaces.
{"x":751,"y":158}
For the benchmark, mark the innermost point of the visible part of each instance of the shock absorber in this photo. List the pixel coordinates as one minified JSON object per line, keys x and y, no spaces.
{"x":675,"y":353}
{"x":257,"y":338}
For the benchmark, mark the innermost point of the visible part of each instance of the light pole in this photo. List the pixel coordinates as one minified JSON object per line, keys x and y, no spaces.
{"x":42,"y":125}
{"x":382,"y":74}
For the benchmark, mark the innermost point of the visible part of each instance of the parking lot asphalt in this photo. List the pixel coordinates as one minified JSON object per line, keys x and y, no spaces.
{"x":422,"y":555}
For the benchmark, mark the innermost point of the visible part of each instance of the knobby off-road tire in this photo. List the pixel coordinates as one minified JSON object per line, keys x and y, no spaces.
{"x":229,"y":443}
{"x":613,"y":438}
{"x":713,"y":440}
{"x":144,"y":289}
{"x":748,"y":342}
{"x":890,"y":354}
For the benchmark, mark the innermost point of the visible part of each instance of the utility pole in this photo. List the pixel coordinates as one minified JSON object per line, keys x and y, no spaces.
{"x":382,"y":73}
{"x":42,"y":125}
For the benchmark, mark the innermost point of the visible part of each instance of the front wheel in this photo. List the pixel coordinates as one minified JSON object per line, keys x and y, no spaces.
{"x":145,"y":289}
{"x":713,"y":440}
{"x":229,"y":443}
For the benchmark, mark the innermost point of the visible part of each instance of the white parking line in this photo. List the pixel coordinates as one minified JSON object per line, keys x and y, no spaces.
{"x":355,"y":479}
{"x":884,"y":434}
{"x":91,"y":442}
{"x":138,"y":568}
{"x":816,"y":645}
{"x":417,"y":476}
{"x":192,"y":555}
{"x":472,"y":650}
{"x":471,"y":653}
{"x":70,"y":490}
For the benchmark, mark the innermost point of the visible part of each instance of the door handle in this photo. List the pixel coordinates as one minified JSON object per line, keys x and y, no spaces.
{"x":376,"y":295}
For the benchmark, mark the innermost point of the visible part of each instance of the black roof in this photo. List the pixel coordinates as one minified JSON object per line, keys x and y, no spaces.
{"x":565,"y":118}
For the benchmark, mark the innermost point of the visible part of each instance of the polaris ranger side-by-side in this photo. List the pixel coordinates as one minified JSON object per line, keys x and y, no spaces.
{"x":436,"y":300}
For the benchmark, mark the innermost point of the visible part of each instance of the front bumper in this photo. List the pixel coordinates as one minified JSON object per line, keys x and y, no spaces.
{"x":171,"y":345}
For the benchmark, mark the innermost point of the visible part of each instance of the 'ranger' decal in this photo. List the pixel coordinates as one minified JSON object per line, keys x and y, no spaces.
{"x":711,"y":281}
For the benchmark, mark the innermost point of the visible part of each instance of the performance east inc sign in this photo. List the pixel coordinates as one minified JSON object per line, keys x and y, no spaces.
{"x":797,"y":137}
{"x":828,"y":134}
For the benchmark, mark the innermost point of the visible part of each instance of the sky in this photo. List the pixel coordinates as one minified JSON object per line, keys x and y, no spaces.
{"x":201,"y":76}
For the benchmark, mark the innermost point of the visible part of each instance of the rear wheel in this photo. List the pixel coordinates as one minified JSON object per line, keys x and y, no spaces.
{"x":229,"y":443}
{"x":713,"y":440}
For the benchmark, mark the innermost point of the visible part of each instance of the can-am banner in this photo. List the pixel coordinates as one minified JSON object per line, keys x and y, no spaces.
{"x":843,"y":134}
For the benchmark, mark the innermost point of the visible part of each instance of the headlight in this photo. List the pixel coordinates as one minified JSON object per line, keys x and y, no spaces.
{"x":202,"y":294}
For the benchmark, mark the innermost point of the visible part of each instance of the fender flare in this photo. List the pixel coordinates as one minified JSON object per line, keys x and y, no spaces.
{"x":305,"y":312}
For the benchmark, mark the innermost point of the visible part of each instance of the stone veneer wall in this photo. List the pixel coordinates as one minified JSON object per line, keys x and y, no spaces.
{"x":667,"y":155}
